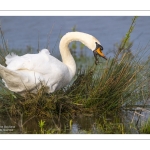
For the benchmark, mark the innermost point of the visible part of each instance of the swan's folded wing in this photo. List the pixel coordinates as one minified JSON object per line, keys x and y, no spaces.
{"x":31,"y":62}
{"x":15,"y":62}
{"x":10,"y":57}
{"x":13,"y":81}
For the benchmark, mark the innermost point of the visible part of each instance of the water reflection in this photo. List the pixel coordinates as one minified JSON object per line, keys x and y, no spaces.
{"x":75,"y":129}
{"x":81,"y":124}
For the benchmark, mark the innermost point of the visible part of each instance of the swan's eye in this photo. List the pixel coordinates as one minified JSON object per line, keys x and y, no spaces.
{"x":101,"y":47}
{"x":98,"y":46}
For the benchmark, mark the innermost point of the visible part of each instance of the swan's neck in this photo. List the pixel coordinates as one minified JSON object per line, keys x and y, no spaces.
{"x":67,"y":58}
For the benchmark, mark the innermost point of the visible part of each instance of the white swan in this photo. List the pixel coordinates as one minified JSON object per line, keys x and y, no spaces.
{"x":30,"y":71}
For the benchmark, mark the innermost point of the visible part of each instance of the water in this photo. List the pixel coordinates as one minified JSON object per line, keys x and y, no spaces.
{"x":81,"y":124}
{"x":23,"y":31}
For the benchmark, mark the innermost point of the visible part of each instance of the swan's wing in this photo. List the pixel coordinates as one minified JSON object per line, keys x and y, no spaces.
{"x":13,"y":80}
{"x":10,"y":57}
{"x":24,"y":70}
{"x":15,"y":62}
{"x":42,"y":63}
{"x":30,"y":62}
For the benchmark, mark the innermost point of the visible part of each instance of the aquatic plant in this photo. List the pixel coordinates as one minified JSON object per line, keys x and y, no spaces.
{"x":145,"y":127}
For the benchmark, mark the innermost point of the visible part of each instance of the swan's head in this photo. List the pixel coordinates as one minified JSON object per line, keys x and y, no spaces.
{"x":88,"y":40}
{"x":92,"y":43}
{"x":98,"y":52}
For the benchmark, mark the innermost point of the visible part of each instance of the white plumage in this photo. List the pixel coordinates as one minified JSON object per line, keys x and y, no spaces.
{"x":30,"y":71}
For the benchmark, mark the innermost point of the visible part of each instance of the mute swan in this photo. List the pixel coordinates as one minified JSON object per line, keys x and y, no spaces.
{"x":28,"y":72}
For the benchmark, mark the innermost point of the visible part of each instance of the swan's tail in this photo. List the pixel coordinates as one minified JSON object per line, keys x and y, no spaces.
{"x":12,"y":80}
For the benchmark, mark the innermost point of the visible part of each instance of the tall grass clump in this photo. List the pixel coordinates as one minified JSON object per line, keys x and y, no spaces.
{"x":114,"y":85}
{"x":117,"y":80}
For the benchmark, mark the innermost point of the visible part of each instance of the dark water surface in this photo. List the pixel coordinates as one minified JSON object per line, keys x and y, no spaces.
{"x":23,"y":31}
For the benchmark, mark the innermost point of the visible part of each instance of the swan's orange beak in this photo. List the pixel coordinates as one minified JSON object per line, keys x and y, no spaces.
{"x":100,"y":53}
